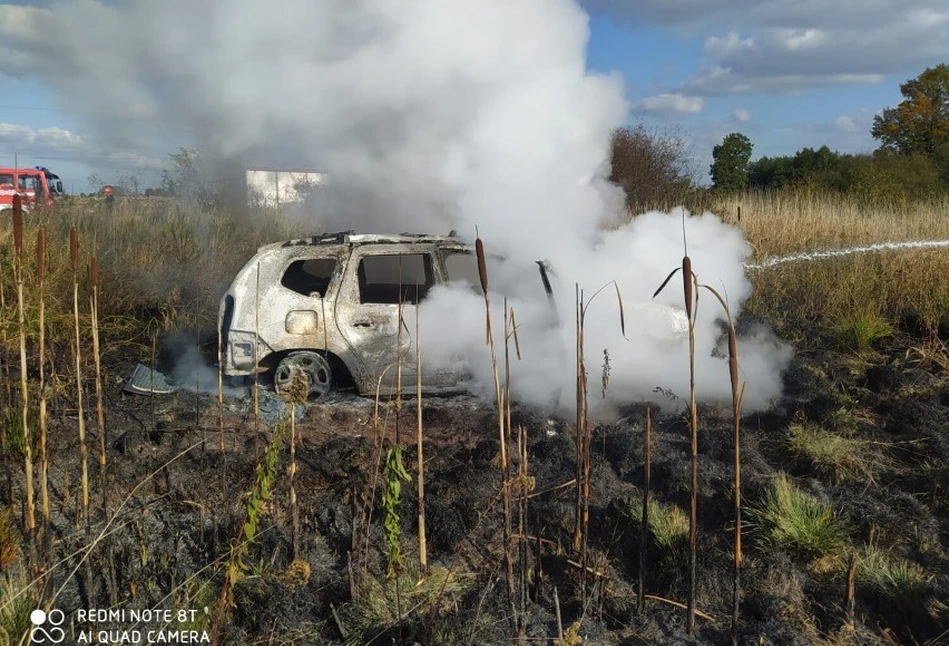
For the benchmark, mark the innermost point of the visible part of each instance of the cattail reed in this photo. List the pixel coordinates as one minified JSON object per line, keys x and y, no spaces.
{"x":523,"y":490}
{"x":100,"y":408}
{"x":29,"y":507}
{"x":422,"y":540}
{"x":691,"y":305}
{"x":83,"y":449}
{"x":583,"y":437}
{"x":510,"y":332}
{"x":44,"y":458}
{"x":738,"y":394}
{"x":499,"y":397}
{"x":690,"y":297}
{"x":577,"y":533}
{"x":644,"y":525}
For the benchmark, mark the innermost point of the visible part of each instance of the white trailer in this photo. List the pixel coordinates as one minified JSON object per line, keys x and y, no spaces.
{"x":277,"y":188}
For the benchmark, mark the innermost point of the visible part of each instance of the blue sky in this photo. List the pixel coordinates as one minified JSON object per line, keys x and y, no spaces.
{"x":787,"y":73}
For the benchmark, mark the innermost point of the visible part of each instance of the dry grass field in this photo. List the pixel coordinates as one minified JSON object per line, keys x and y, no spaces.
{"x":194,"y":502}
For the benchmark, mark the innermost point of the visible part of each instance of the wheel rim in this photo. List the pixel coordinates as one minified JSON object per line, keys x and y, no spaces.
{"x":304,"y":365}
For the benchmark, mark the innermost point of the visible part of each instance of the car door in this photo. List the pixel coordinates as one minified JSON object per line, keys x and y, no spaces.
{"x":378,"y":278}
{"x":304,"y":300}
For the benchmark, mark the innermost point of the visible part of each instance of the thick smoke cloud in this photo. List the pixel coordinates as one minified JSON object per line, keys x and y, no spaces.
{"x":430,"y":116}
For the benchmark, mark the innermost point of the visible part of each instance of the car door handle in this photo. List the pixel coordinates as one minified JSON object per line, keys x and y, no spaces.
{"x":362,"y":324}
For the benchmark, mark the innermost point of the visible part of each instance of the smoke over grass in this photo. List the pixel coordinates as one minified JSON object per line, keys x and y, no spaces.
{"x":428,"y":116}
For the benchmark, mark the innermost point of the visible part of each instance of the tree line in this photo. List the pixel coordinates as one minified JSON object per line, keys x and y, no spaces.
{"x":654,"y":166}
{"x":912,"y":160}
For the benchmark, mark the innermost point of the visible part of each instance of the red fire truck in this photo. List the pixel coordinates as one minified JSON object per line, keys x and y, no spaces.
{"x":36,"y":187}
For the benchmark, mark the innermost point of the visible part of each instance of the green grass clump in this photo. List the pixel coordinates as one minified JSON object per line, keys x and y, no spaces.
{"x":798,"y":521}
{"x":383,"y":603}
{"x":888,"y":576}
{"x":839,"y":457}
{"x":668,"y":526}
{"x":861,"y":330}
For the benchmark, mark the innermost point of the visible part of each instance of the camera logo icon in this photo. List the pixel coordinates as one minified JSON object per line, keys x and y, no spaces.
{"x":46,"y":626}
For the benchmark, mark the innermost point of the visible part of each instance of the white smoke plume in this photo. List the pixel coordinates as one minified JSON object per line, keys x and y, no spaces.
{"x":428,"y":116}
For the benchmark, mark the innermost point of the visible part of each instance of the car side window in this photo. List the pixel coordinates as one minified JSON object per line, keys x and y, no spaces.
{"x":392,"y":278}
{"x":310,"y":277}
{"x":462,"y":267}
{"x":6,"y":181}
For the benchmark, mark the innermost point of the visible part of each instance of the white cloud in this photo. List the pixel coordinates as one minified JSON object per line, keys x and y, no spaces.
{"x":58,"y":144}
{"x":845,"y":124}
{"x":717,"y":81}
{"x":741,"y":115}
{"x":797,"y":39}
{"x":774,"y":46}
{"x":20,"y":32}
{"x":671,"y":104}
{"x":730,"y":43}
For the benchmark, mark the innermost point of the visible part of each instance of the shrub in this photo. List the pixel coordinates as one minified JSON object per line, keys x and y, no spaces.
{"x":652,"y":167}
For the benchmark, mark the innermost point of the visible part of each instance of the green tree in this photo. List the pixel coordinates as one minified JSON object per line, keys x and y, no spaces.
{"x":730,"y":159}
{"x":920,"y":123}
{"x":187,"y":176}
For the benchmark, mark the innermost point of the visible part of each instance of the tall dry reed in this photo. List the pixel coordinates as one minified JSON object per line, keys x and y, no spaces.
{"x":644,"y":524}
{"x":83,"y":449}
{"x":97,"y":355}
{"x":738,"y":394}
{"x":422,"y":539}
{"x":690,"y":297}
{"x":41,"y":297}
{"x":29,"y":506}
{"x":502,"y":435}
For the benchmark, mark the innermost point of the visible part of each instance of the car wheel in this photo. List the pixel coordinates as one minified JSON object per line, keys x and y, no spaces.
{"x":304,"y":369}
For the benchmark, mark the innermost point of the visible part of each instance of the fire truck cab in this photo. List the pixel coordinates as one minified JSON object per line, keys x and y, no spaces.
{"x":30,"y":184}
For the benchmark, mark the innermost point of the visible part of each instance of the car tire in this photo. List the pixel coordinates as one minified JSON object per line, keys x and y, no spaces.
{"x":312,"y":367}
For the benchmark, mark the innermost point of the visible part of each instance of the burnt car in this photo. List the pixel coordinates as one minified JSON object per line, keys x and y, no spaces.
{"x":327,"y":307}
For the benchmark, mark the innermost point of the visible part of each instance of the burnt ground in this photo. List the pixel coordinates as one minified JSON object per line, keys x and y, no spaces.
{"x":177,"y":502}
